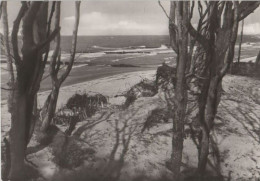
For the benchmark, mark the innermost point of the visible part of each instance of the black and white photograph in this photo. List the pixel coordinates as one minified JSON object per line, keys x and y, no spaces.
{"x":130,"y":90}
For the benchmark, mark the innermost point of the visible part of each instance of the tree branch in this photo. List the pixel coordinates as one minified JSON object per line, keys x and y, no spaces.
{"x":15,"y":30}
{"x":1,"y":5}
{"x":200,"y":38}
{"x":247,"y":7}
{"x":49,"y":39}
{"x":172,"y":21}
{"x":56,"y":51}
{"x":48,"y":31}
{"x":191,"y":10}
{"x":231,"y":49}
{"x":28,"y":22}
{"x":74,"y":42}
{"x":172,"y":30}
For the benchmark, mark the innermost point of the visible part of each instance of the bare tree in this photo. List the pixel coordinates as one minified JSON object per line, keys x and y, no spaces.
{"x":180,"y":99}
{"x":50,"y":104}
{"x":216,"y":35}
{"x":217,"y":38}
{"x":179,"y":38}
{"x":30,"y":68}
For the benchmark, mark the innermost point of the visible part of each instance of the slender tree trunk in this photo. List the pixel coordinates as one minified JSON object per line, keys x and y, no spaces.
{"x":181,"y":13}
{"x":257,"y":62}
{"x":8,"y":55}
{"x":35,"y":117}
{"x":240,"y":43}
{"x":7,"y":162}
{"x":208,"y":111}
{"x":50,"y":109}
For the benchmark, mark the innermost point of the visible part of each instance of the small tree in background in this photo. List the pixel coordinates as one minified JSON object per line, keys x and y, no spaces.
{"x":51,"y":102}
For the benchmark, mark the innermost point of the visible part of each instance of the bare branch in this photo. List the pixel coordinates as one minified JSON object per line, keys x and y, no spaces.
{"x":15,"y":30}
{"x":74,"y":42}
{"x":199,"y":37}
{"x":1,"y":5}
{"x":49,"y":39}
{"x":8,"y":89}
{"x":48,"y":31}
{"x":58,"y":64}
{"x":247,"y":7}
{"x":191,"y":10}
{"x":56,"y":51}
{"x":230,"y":52}
{"x":173,"y":31}
{"x":28,"y":21}
{"x":171,"y":20}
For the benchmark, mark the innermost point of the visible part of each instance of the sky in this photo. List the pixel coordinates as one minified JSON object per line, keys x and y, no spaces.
{"x":122,"y":18}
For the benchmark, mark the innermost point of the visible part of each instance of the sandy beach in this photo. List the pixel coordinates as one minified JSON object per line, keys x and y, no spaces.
{"x":147,"y":152}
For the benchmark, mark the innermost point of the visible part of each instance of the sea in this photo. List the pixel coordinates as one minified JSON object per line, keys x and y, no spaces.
{"x":90,"y":44}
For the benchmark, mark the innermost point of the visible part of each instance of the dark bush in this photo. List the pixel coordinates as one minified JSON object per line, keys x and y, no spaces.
{"x":245,"y":69}
{"x":145,"y":88}
{"x":68,"y":151}
{"x":165,"y":75}
{"x":156,"y":116}
{"x":86,"y":105}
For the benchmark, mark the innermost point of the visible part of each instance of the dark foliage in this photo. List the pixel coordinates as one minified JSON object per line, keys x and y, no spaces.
{"x":68,"y":151}
{"x":164,"y":75}
{"x":145,"y":88}
{"x":246,"y":69}
{"x":86,"y":105}
{"x":156,"y":116}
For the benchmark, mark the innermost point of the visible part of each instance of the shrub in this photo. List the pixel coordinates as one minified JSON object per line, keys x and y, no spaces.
{"x":145,"y":88}
{"x":86,"y":105}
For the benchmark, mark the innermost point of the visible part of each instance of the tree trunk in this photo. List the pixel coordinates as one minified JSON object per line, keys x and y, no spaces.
{"x":257,"y":62}
{"x":51,"y":102}
{"x":35,"y":117}
{"x":208,"y":112}
{"x":22,"y":109}
{"x":8,"y":55}
{"x":240,"y":43}
{"x":50,"y":109}
{"x":29,"y":68}
{"x":181,"y":13}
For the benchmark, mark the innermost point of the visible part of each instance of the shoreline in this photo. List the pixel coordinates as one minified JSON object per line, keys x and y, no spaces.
{"x":105,"y":86}
{"x":79,"y":75}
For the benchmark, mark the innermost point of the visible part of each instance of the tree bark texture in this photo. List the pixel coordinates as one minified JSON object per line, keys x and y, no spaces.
{"x":29,"y":66}
{"x":179,"y":40}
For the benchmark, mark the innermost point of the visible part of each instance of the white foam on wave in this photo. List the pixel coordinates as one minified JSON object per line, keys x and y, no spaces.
{"x":92,"y":55}
{"x":250,"y":59}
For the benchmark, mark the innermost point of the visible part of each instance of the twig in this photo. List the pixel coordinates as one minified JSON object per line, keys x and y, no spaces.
{"x":172,"y":22}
